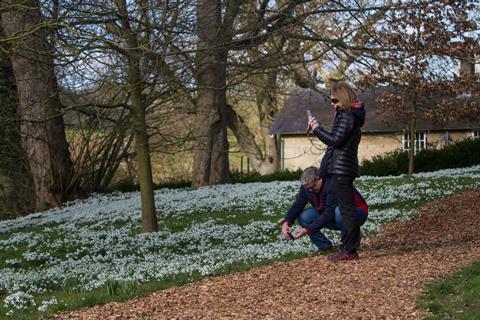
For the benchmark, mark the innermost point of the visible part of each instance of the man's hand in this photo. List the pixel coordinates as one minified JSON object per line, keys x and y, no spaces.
{"x":286,"y":231}
{"x":300,"y":233}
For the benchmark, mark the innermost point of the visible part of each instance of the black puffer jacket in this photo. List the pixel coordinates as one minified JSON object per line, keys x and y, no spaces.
{"x":341,"y":154}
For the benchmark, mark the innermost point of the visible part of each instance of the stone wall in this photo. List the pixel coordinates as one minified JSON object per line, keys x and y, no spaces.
{"x":301,"y":151}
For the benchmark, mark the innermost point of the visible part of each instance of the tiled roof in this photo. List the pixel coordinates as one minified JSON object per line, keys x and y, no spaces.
{"x":292,"y":119}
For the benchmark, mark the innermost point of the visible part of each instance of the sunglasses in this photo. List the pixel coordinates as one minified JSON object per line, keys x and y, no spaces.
{"x":334,"y":101}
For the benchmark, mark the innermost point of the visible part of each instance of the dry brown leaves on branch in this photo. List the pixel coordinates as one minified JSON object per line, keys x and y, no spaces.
{"x":394,"y":267}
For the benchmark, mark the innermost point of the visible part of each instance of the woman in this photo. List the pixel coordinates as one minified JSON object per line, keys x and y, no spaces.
{"x":341,"y":161}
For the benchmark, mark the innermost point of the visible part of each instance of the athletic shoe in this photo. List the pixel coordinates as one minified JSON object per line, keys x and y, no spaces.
{"x":342,"y":255}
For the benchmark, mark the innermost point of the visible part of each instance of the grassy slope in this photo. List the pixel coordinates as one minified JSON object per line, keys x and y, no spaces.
{"x":456,"y":297}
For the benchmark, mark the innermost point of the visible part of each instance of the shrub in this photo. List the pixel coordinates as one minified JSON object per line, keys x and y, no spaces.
{"x":286,"y":175}
{"x":461,"y":154}
{"x":126,"y":185}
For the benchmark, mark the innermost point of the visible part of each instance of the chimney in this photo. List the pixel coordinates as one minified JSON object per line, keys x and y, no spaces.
{"x":467,"y":67}
{"x":467,"y":62}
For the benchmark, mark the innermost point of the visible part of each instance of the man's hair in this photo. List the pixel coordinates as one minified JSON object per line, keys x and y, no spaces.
{"x":309,"y":174}
{"x":345,"y":95}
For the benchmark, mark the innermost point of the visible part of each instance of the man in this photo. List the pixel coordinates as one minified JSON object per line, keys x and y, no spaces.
{"x":324,"y":212}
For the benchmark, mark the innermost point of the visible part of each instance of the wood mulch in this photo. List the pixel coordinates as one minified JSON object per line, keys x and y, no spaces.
{"x":395,"y":265}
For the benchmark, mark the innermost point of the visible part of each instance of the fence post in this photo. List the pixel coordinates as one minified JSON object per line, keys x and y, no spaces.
{"x":241,"y":166}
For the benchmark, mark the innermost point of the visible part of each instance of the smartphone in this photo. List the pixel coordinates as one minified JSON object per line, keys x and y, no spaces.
{"x":309,"y":114}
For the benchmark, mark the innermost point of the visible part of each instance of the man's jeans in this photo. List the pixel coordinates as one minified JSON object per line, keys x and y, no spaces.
{"x":309,"y":215}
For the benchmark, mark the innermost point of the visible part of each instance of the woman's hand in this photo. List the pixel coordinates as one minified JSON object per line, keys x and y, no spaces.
{"x":313,"y":124}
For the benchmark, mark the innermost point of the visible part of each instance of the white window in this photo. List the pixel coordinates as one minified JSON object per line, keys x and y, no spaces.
{"x":420,"y":141}
{"x":476,"y":134}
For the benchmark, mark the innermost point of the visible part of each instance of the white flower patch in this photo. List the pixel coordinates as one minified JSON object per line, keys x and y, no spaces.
{"x":384,"y":191}
{"x":19,"y":300}
{"x":379,"y":217}
{"x":47,"y":303}
{"x":473,"y":170}
{"x":12,"y":262}
{"x":36,"y":256}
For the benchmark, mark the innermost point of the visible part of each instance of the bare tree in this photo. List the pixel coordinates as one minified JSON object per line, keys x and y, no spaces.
{"x":219,"y":33}
{"x":417,"y":58}
{"x":131,"y":49}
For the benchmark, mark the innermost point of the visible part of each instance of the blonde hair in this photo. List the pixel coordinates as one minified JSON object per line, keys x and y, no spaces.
{"x":345,"y":95}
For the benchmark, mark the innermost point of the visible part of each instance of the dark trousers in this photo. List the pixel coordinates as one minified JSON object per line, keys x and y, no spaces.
{"x":343,"y":191}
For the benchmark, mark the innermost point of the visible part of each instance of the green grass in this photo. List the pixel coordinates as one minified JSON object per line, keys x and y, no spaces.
{"x":456,"y":297}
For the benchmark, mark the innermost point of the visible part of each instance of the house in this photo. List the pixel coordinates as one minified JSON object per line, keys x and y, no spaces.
{"x":380,"y":135}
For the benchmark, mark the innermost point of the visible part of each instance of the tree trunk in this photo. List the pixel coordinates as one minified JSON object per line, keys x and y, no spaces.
{"x":42,"y":127}
{"x":267,"y":109}
{"x":15,"y":179}
{"x":413,"y":119}
{"x":210,"y":161}
{"x":413,"y":126}
{"x":262,"y":162}
{"x":149,"y":217}
{"x":271,"y":162}
{"x":264,"y":159}
{"x":139,"y":126}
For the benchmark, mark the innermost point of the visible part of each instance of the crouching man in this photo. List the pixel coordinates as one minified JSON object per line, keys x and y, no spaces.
{"x":324,"y":213}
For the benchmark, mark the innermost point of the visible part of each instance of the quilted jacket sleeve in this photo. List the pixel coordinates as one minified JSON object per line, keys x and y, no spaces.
{"x":344,"y":124}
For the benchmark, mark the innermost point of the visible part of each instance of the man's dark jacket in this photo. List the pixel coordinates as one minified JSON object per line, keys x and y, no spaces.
{"x":341,"y":155}
{"x":324,"y":202}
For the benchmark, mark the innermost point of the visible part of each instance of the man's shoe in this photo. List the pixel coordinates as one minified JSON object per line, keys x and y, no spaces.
{"x":342,"y":255}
